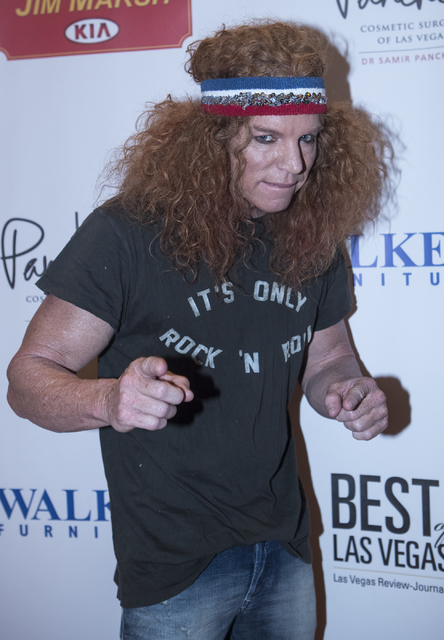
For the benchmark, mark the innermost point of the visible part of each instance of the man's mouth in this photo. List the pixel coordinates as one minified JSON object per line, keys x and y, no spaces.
{"x":280,"y":185}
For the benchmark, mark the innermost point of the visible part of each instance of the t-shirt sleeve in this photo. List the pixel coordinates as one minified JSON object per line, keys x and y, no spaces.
{"x":92,"y":271}
{"x":336,"y":300}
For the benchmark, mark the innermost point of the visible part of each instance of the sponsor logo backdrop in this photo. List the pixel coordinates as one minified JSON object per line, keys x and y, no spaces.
{"x":377,"y":508}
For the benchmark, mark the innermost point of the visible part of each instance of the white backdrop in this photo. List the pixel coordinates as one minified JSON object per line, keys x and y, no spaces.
{"x":377,"y":508}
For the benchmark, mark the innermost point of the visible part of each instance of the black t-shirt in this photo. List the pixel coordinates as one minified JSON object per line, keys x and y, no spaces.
{"x":223,"y":471}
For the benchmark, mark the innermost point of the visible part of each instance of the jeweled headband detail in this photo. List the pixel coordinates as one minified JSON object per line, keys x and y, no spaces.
{"x":264,"y":96}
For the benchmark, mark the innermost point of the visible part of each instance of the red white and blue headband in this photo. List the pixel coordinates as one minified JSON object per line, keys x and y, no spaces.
{"x":263,"y":96}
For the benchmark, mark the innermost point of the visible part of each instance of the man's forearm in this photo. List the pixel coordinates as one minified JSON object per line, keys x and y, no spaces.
{"x":317,"y":384}
{"x":335,"y":387}
{"x":55,"y":398}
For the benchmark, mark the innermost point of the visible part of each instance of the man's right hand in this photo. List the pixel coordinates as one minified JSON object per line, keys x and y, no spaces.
{"x":146,"y":396}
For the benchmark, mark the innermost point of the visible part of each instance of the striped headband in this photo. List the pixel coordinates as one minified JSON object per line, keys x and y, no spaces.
{"x":263,"y":96}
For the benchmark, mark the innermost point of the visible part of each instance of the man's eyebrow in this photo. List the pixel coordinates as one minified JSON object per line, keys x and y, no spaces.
{"x":270,"y":130}
{"x":264,"y":129}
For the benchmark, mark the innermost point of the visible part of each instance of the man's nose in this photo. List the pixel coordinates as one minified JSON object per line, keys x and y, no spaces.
{"x":291,"y":158}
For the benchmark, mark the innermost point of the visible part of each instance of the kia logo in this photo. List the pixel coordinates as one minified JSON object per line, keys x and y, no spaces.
{"x":91,"y":31}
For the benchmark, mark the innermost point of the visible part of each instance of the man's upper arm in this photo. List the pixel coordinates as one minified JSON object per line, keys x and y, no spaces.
{"x":65,"y":334}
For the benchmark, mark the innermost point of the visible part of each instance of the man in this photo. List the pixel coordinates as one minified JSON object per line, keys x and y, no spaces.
{"x":207,"y":286}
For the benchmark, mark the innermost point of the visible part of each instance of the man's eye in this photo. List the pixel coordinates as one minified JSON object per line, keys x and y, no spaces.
{"x":309,"y":138}
{"x":265,"y":139}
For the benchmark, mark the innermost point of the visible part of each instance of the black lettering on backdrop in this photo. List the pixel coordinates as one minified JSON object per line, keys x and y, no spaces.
{"x":366,"y":502}
{"x":346,"y":500}
{"x":13,"y":246}
{"x":343,"y":5}
{"x":439,"y":544}
{"x":344,"y":509}
{"x":389,"y":522}
{"x":11,"y":250}
{"x":425,"y":485}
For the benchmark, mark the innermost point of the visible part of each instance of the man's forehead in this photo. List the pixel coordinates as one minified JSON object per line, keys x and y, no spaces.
{"x":310,"y":123}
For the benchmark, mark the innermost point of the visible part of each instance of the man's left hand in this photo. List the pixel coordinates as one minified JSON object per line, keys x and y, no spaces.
{"x":360,"y":405}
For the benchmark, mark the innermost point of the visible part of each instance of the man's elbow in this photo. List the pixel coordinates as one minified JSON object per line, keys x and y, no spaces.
{"x":17,"y":389}
{"x":13,"y":394}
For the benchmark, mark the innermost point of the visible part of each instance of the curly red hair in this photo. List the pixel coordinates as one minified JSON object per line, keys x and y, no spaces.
{"x":176,"y":168}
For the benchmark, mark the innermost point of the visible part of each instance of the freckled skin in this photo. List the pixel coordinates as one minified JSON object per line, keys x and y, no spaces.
{"x":278,"y":160}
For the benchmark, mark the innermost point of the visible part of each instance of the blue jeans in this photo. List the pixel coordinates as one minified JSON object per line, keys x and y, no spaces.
{"x":255,"y":592}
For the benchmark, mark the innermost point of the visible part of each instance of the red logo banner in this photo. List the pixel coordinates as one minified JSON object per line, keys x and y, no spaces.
{"x":46,"y":28}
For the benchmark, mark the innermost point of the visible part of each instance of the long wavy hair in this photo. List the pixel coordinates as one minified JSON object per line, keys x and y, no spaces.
{"x":176,"y":169}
